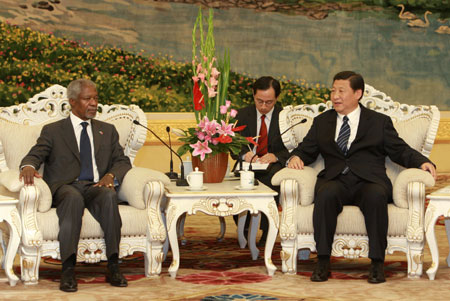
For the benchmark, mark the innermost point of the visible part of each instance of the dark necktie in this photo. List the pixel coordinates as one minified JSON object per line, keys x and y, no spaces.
{"x":86,"y":173}
{"x":344,"y":134}
{"x":262,"y":140}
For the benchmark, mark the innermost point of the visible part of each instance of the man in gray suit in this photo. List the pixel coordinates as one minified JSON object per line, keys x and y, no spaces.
{"x":82,"y":158}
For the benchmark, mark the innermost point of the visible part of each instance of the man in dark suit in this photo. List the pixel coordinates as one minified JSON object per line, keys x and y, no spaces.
{"x":82,"y":157}
{"x":261,"y":120}
{"x":354,"y":142}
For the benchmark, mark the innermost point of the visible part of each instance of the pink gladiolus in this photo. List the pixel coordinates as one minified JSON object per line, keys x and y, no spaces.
{"x":223,"y":109}
{"x":202,"y":77}
{"x":228,"y":103}
{"x":211,"y":92}
{"x":199,"y":68}
{"x":213,"y":81}
{"x":201,"y":148}
{"x":215,"y":73}
{"x":233,"y":113}
{"x":195,"y":79}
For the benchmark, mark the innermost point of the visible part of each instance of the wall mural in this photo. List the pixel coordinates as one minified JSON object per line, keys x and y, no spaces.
{"x":139,"y":51}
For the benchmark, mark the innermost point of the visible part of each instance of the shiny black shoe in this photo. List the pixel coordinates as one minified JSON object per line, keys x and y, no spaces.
{"x":376,"y":272}
{"x":321,"y":271}
{"x":68,"y":282}
{"x":115,"y":277}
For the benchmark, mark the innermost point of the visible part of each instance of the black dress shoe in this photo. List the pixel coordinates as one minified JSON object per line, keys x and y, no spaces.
{"x":376,"y":272}
{"x":115,"y":277}
{"x":321,"y":270}
{"x":68,"y":283}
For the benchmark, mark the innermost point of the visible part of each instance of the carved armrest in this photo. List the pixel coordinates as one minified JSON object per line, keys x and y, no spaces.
{"x":305,"y":179}
{"x":134,"y":184}
{"x":404,"y":185}
{"x":409,"y":192}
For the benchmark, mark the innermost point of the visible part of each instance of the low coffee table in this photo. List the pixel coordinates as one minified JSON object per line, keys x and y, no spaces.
{"x":222,"y":199}
{"x":439,"y":205}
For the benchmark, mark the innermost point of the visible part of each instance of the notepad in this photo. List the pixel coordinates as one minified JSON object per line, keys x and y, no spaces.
{"x":255,"y":166}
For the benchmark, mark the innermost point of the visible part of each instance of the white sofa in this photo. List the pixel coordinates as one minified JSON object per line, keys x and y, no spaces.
{"x":417,"y":125}
{"x":143,"y":189}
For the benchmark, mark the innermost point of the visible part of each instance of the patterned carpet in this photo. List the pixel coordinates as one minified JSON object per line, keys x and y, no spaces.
{"x":213,"y":270}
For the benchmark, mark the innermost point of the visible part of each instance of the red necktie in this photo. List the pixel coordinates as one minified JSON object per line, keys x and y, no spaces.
{"x":262,"y":140}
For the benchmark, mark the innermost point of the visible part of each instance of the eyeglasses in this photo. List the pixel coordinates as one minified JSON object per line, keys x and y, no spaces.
{"x":262,"y":102}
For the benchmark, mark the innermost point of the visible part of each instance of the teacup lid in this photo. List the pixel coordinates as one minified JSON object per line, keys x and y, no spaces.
{"x":197,"y":171}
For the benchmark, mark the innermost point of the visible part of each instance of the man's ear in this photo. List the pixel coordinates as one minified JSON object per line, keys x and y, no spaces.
{"x":359,"y":94}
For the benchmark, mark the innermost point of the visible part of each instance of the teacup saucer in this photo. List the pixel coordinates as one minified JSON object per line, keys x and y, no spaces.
{"x":244,"y":188}
{"x":196,"y":188}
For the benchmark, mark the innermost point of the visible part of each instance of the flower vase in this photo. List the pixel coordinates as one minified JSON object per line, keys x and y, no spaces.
{"x":214,"y":167}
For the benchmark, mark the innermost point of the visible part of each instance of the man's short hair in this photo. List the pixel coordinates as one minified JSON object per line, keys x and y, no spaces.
{"x":266,"y":82}
{"x":74,"y":88}
{"x":356,"y":80}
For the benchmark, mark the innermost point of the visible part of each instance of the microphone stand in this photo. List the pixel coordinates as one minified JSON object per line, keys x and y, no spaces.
{"x":267,"y":145}
{"x":172,"y":175}
{"x":181,"y":181}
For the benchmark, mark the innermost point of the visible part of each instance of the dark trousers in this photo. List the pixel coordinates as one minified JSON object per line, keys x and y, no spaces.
{"x":70,"y":202}
{"x":372,"y":199}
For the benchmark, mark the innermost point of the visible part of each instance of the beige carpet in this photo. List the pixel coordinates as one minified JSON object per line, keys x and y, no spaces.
{"x":212,"y":270}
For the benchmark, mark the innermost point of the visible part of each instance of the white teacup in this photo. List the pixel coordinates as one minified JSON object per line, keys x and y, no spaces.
{"x":247,"y":179}
{"x":195,"y":179}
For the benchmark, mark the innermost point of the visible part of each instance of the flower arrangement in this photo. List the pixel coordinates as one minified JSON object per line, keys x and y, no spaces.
{"x":216,"y":130}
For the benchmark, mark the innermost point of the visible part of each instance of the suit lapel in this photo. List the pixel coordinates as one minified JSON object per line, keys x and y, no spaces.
{"x":68,"y":135}
{"x":98,"y":135}
{"x":331,"y":130}
{"x":273,"y":125}
{"x":363,"y":126}
{"x":252,"y":126}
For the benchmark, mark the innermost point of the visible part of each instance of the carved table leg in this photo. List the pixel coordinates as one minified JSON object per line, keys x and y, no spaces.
{"x":10,"y":215}
{"x":431,"y":217}
{"x":271,"y":237}
{"x":172,"y":217}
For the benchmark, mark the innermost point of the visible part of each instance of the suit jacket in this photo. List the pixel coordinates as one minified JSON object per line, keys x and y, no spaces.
{"x":375,"y":139}
{"x":247,"y":116}
{"x":57,"y":148}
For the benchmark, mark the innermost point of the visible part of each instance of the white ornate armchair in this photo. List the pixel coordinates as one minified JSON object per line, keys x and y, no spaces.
{"x":417,"y":125}
{"x":143,"y":189}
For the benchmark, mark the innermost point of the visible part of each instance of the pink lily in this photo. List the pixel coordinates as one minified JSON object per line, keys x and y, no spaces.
{"x":226,"y":129}
{"x":201,"y":148}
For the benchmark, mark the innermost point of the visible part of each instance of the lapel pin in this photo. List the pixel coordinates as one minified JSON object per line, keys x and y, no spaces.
{"x":101,"y":132}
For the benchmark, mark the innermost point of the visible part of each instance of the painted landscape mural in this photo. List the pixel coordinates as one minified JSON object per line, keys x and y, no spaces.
{"x":140,"y":51}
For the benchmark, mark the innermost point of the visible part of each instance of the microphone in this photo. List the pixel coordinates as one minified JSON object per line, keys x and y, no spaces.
{"x":181,"y":181}
{"x":171,"y":174}
{"x":267,"y":145}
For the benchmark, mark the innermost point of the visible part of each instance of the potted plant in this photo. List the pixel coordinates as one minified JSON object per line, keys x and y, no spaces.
{"x":216,"y":134}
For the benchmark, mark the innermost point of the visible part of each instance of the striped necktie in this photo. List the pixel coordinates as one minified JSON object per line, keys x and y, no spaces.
{"x":344,"y":134}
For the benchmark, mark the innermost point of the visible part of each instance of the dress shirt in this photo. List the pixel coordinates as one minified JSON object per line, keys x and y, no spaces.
{"x":77,"y":127}
{"x":353,"y":122}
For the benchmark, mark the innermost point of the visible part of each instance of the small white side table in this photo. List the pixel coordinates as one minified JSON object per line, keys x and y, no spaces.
{"x":439,"y":205}
{"x":10,"y":215}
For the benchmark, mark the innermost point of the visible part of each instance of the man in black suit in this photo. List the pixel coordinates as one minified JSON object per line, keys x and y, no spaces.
{"x":354,"y":142}
{"x":82,"y":158}
{"x":261,"y":119}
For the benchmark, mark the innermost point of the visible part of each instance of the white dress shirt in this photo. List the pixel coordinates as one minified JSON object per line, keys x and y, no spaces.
{"x":77,"y":127}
